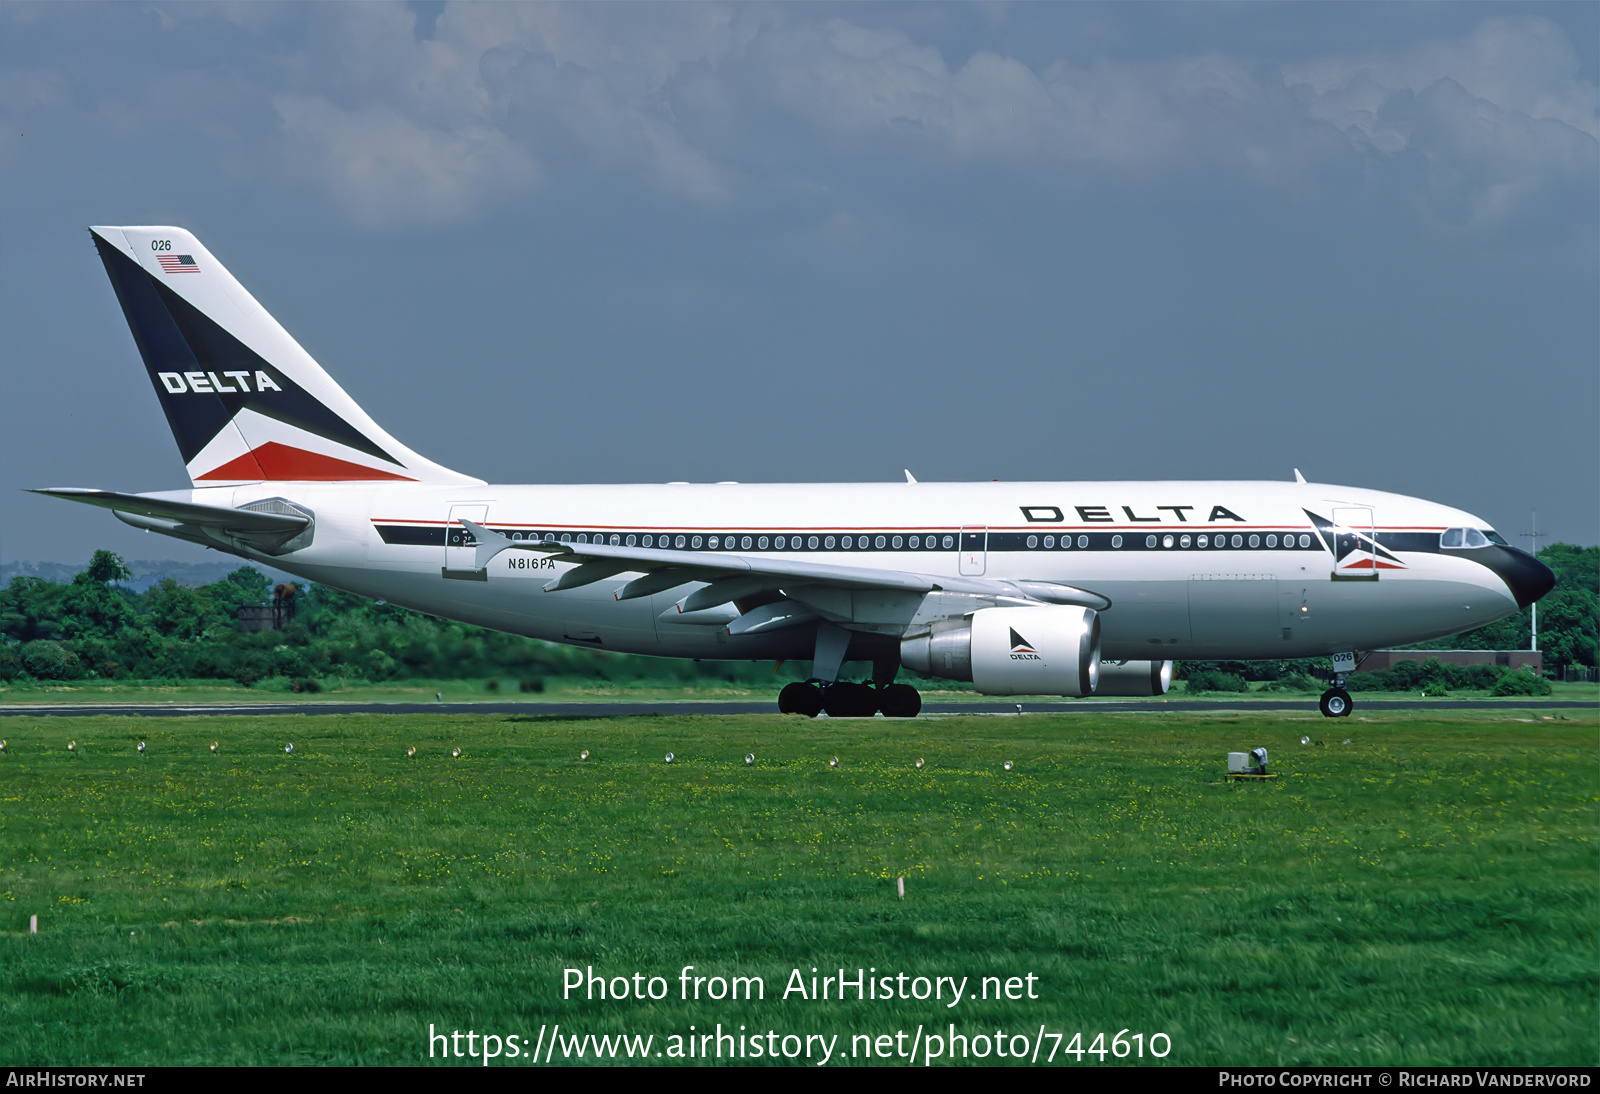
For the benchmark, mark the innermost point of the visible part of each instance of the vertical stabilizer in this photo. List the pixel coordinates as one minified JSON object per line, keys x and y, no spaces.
{"x":245,"y":402}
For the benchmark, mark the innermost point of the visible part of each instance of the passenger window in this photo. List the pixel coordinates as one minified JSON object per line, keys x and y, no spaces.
{"x":1149,"y":541}
{"x":1116,"y":541}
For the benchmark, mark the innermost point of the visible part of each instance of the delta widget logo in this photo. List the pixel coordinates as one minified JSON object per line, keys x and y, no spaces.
{"x":1022,"y":649}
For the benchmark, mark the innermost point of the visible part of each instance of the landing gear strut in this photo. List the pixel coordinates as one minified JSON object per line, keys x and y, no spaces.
{"x":843,"y":698}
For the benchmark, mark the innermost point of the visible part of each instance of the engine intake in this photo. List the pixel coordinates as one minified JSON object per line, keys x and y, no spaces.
{"x":1049,"y":650}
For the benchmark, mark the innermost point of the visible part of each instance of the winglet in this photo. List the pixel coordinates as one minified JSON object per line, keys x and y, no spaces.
{"x":1298,"y":477}
{"x":489,"y":543}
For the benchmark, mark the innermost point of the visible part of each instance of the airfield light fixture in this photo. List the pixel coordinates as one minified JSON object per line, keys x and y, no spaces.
{"x":411,"y":750}
{"x":1305,"y":740}
{"x":584,"y":755}
{"x":749,"y":759}
{"x":919,"y":763}
{"x":213,"y":748}
{"x":288,"y":749}
{"x":1007,"y":765}
{"x":670,"y":757}
{"x":72,"y":747}
{"x":834,"y":762}
{"x":456,"y":752}
{"x":141,"y":748}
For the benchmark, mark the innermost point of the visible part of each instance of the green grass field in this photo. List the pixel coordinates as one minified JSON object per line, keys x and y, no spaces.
{"x":1424,"y":892}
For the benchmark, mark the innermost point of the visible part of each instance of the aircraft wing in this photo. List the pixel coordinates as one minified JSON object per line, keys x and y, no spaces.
{"x":732,"y":576}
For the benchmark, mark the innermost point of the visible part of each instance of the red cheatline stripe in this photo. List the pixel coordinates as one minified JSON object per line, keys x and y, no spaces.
{"x":280,"y":462}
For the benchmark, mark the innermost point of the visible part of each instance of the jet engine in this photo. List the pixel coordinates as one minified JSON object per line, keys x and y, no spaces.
{"x":1134,"y":678}
{"x":1049,"y":650}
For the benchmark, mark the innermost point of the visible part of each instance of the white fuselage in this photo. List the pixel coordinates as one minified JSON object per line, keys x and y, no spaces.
{"x":1215,"y":570}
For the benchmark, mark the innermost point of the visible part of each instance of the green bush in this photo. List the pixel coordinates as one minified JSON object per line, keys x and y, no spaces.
{"x":47,"y":660}
{"x":1522,"y":683}
{"x":1207,"y":680}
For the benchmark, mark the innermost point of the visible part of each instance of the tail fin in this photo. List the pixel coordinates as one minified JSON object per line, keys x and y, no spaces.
{"x":245,"y":402}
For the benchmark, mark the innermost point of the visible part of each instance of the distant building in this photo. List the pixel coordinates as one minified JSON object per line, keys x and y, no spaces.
{"x":256,"y":618}
{"x":1531,"y":660}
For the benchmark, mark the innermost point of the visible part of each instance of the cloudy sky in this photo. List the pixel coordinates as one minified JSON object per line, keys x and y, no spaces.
{"x":621,"y":243}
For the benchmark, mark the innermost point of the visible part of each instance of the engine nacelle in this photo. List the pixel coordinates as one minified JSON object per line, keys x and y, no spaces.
{"x":1049,"y":650}
{"x":1134,"y":678}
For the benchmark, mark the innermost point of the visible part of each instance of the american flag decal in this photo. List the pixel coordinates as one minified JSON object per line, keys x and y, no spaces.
{"x":178,"y":263}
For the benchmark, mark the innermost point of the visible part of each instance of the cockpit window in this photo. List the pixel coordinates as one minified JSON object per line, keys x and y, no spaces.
{"x":1462,"y":538}
{"x":1494,"y":538}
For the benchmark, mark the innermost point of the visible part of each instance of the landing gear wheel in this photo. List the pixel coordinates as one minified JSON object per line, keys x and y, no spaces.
{"x":800,"y":698}
{"x":845,"y":700}
{"x":899,"y":701}
{"x":1335,"y":703}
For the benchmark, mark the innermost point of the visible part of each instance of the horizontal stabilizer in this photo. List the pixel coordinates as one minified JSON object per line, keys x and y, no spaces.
{"x":273,"y":526}
{"x":184,"y":512}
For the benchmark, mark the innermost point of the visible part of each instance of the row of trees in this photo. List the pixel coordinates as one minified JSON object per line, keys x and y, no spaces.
{"x":94,"y":627}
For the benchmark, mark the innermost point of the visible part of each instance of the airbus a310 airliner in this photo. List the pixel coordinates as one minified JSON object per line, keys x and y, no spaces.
{"x":1041,"y":588}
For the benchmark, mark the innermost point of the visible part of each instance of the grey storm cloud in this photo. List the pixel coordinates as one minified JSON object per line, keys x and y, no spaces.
{"x":453,"y":117}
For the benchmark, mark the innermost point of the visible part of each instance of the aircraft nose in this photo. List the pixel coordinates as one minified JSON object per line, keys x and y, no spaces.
{"x":1526,"y":577}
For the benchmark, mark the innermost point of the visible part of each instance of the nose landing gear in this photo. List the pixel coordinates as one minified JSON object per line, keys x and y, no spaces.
{"x":1335,"y":702}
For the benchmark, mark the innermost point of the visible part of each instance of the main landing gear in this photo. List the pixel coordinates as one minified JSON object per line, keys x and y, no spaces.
{"x":1335,"y":702}
{"x":843,"y":699}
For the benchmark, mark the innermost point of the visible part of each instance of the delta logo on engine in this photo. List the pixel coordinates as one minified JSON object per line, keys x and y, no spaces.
{"x":1021,"y":648}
